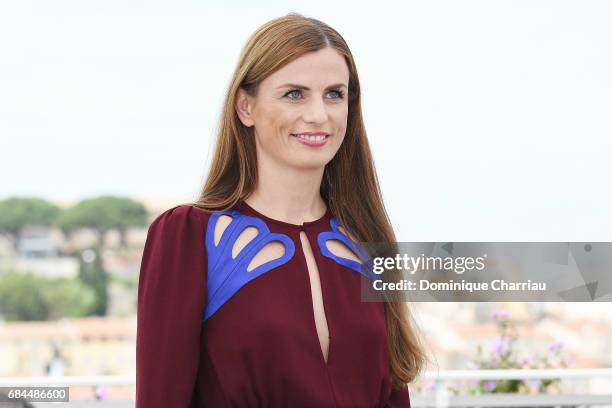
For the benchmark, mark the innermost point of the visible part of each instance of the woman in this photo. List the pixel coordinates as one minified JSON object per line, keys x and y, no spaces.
{"x":250,"y":297}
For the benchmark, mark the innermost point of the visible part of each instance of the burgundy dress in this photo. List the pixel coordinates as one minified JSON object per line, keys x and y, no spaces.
{"x":212,"y":334}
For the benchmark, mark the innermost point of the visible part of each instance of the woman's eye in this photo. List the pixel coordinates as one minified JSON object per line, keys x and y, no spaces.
{"x":339,"y":94}
{"x":294,"y":92}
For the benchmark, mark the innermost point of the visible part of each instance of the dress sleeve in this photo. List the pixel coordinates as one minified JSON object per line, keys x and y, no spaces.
{"x":399,"y":398}
{"x":171,"y":300}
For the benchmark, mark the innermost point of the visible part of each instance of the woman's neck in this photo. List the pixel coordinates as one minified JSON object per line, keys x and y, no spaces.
{"x":288,"y":194}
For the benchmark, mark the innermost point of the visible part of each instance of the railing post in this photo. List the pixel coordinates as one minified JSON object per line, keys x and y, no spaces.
{"x":442,"y":394}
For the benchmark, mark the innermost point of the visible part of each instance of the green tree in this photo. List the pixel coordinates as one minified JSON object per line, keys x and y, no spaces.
{"x":24,"y":296}
{"x":20,"y":297}
{"x":18,"y":212}
{"x":103,"y":214}
{"x":93,"y":275}
{"x":68,"y":297}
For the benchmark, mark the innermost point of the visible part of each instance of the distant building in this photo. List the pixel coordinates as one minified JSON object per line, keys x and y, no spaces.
{"x":36,"y":247}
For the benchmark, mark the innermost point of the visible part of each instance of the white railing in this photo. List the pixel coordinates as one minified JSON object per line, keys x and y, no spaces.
{"x":66,"y":381}
{"x":439,"y":397}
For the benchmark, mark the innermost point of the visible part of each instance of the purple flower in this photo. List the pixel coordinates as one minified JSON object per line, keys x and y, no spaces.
{"x":429,"y":386}
{"x":500,"y":345}
{"x":494,"y":362}
{"x":489,"y":385}
{"x":524,"y":361}
{"x":102,"y":393}
{"x":555,"y":346}
{"x":501,"y":314}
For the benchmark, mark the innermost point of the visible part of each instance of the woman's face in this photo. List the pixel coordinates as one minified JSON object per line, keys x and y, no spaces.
{"x":300,"y":111}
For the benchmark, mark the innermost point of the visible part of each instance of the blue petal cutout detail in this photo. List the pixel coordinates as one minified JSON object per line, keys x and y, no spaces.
{"x":365,"y":269}
{"x":227,"y":275}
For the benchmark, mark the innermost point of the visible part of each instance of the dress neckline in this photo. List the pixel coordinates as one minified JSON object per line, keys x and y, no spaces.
{"x":324,"y":219}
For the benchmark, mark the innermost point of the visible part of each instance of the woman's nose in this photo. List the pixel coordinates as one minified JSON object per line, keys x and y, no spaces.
{"x":315,"y":111}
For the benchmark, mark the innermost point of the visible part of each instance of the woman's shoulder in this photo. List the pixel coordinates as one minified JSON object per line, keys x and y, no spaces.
{"x":187,"y":213}
{"x":178,"y":229}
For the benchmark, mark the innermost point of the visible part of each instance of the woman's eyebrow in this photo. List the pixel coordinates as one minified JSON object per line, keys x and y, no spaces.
{"x":305,"y":88}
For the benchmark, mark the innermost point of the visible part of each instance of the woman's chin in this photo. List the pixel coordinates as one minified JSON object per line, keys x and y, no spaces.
{"x":308,"y":163}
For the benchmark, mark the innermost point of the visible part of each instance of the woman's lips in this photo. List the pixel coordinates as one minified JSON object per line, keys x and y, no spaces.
{"x":311,"y":140}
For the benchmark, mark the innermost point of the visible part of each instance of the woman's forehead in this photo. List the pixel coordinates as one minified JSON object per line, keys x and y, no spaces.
{"x":318,"y":69}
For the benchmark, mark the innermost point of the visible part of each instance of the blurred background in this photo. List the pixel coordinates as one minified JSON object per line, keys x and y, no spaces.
{"x":488,"y":120}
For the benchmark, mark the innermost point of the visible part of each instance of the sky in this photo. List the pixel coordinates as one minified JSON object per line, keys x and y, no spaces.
{"x":488,"y":120}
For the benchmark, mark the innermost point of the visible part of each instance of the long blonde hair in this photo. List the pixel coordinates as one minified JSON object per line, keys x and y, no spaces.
{"x":349,"y":186}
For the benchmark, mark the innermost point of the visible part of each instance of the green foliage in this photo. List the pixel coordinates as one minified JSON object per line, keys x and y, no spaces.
{"x":104,"y":213}
{"x":24,"y":296}
{"x":93,"y":275}
{"x":128,"y":283}
{"x":69,"y":297}
{"x":20,"y":297}
{"x":15,"y":213}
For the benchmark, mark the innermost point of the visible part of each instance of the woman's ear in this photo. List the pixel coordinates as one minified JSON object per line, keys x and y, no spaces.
{"x":243,"y":105}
